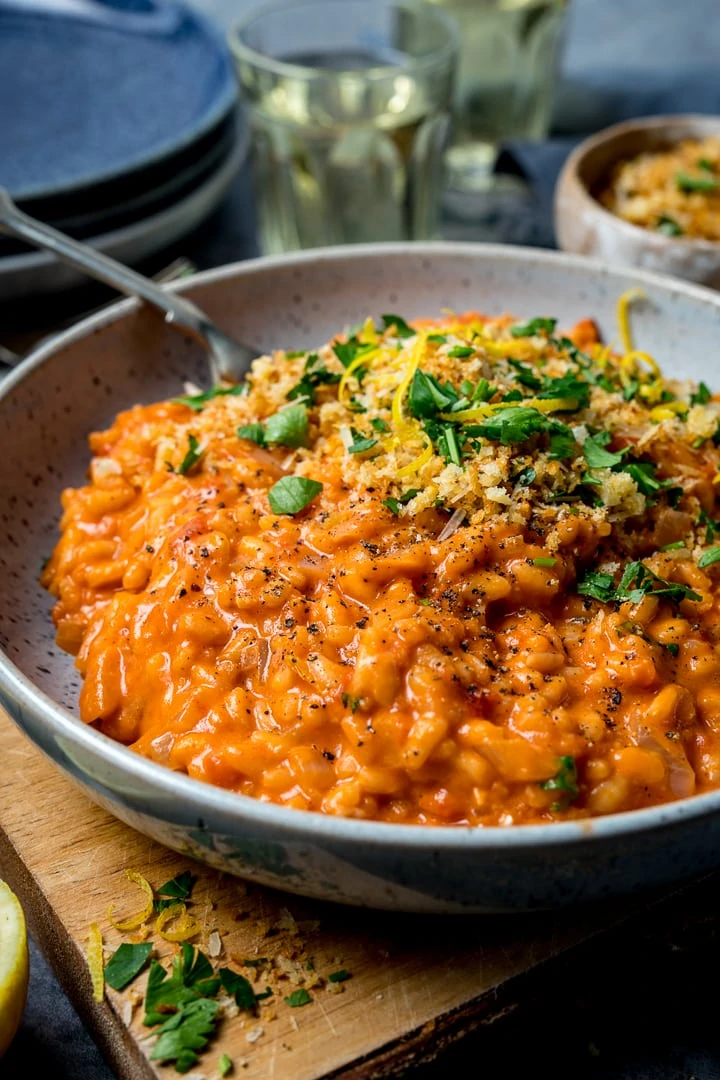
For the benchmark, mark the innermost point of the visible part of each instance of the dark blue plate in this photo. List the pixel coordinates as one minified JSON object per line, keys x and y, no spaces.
{"x":93,"y":90}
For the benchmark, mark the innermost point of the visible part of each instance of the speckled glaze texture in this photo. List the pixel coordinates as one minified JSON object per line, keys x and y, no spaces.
{"x":125,"y":355}
{"x":583,"y":226}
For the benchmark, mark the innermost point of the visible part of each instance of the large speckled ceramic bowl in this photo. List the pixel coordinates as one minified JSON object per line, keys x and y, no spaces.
{"x":125,"y":355}
{"x":585,"y":227}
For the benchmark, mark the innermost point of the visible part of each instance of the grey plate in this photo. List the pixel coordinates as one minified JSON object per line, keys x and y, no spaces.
{"x":38,"y":273}
{"x":79,"y":381}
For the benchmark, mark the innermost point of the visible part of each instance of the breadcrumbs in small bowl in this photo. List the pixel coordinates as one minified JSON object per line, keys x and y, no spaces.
{"x":646,"y":193}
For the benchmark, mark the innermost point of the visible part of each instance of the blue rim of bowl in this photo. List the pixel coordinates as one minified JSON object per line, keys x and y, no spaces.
{"x":243,"y":809}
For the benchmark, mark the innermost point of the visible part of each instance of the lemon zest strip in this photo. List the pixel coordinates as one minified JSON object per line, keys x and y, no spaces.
{"x":133,"y":921}
{"x":417,"y":463}
{"x":187,"y":926}
{"x":668,"y":411}
{"x":95,"y":961}
{"x":629,"y":362}
{"x":622,"y":316}
{"x":478,"y":412}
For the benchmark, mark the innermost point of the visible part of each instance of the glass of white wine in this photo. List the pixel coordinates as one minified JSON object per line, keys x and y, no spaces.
{"x":350,"y":106}
{"x":506,"y":75}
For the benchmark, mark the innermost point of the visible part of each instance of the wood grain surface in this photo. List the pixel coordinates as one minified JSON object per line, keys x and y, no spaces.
{"x":417,"y":983}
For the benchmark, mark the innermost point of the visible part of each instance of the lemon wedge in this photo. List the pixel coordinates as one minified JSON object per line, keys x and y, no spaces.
{"x":14,"y":967}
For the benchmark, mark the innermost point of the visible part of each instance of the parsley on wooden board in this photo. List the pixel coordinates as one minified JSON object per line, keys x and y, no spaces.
{"x":291,"y":494}
{"x":197,"y":402}
{"x":126,"y":963}
{"x":191,"y":977}
{"x":298,"y":998}
{"x":237,"y":987}
{"x":185,"y":1033}
{"x":339,"y":976}
{"x":225,"y":1065}
{"x":178,"y":888}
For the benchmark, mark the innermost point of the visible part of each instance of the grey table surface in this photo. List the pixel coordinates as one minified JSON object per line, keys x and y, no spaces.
{"x":637,"y":1007}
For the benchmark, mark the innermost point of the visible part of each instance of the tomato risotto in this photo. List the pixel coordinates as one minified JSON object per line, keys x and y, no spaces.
{"x":461,"y":572}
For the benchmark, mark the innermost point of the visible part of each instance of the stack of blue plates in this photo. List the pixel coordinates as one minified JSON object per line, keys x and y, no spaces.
{"x":118,"y":125}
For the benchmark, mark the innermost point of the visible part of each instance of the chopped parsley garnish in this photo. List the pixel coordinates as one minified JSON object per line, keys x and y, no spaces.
{"x":197,"y":402}
{"x":186,"y":1033}
{"x":533,"y":327}
{"x":237,"y":987}
{"x":351,"y":703}
{"x":513,"y":425}
{"x":595,"y":454}
{"x":360,"y":443}
{"x":439,"y":339}
{"x":712,"y":555}
{"x":292,"y":494}
{"x":402,"y":328}
{"x":564,"y":781}
{"x":125,"y":963}
{"x":289,"y":427}
{"x":637,"y":581}
{"x":688,"y":184}
{"x":703,"y":163}
{"x":225,"y":1065}
{"x":677,"y":545}
{"x":192,"y":977}
{"x":712,"y":528}
{"x":526,"y":476}
{"x":563,"y":443}
{"x":701,"y":396}
{"x":178,"y":888}
{"x":461,"y":351}
{"x":427,"y":397}
{"x":254,"y":432}
{"x":525,"y":375}
{"x":395,"y":504}
{"x":643,"y":473}
{"x":567,"y":386}
{"x":668,"y":226}
{"x":378,"y":424}
{"x":314,"y":374}
{"x":542,"y":561}
{"x":193,"y":455}
{"x":298,"y":998}
{"x":339,"y":976}
{"x":672,"y":649}
{"x":351,"y":350}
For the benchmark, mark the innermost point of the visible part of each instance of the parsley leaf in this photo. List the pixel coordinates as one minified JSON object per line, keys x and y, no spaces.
{"x":198,"y":401}
{"x":598,"y":585}
{"x":253,"y":432}
{"x":178,"y":888}
{"x":427,"y":397}
{"x":461,"y":351}
{"x":689,"y":184}
{"x":703,"y":163}
{"x":548,"y":562}
{"x":289,"y":427}
{"x":191,"y":978}
{"x":348,"y":351}
{"x":668,"y":226}
{"x":563,"y":443}
{"x":565,"y":781}
{"x":360,"y":442}
{"x":188,"y":1031}
{"x":567,"y":386}
{"x":402,"y":328}
{"x":513,"y":425}
{"x":193,"y":455}
{"x":712,"y":555}
{"x":534,"y":326}
{"x":225,"y":1065}
{"x":351,"y":703}
{"x":298,"y":998}
{"x":526,"y":476}
{"x":525,"y":375}
{"x":291,"y":494}
{"x":395,"y":504}
{"x":439,"y":339}
{"x":339,"y":976}
{"x":596,"y":457}
{"x":238,"y":987}
{"x":314,"y":374}
{"x":712,"y":528}
{"x":643,"y":473}
{"x":125,"y":963}
{"x":378,"y":424}
{"x":701,"y":396}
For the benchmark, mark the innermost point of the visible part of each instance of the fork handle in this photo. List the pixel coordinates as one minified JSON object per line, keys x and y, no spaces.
{"x":174,"y":309}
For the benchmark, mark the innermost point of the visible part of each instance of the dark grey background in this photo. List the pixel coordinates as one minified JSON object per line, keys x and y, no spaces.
{"x":641,"y":1006}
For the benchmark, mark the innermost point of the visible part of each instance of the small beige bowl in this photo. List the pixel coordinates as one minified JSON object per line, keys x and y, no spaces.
{"x":585,"y":227}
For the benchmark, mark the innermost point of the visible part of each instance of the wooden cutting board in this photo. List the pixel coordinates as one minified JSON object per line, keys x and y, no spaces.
{"x":417,"y":983}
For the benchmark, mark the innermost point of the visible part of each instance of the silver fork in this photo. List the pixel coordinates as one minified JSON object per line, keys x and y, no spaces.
{"x":227,"y":358}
